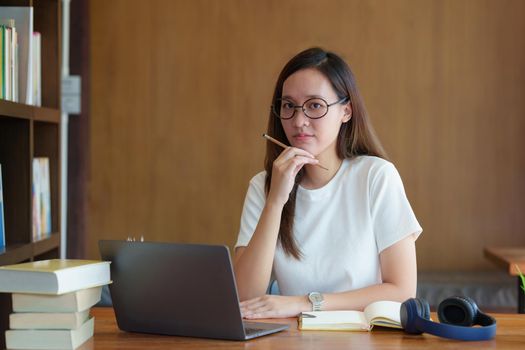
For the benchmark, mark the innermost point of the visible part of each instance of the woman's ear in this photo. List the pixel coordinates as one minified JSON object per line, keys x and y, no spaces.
{"x":348,"y":113}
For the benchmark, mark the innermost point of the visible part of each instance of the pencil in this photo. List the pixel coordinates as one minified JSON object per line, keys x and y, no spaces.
{"x":277,"y":142}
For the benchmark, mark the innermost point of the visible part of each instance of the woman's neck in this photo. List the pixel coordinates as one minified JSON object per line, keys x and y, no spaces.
{"x":317,"y":177}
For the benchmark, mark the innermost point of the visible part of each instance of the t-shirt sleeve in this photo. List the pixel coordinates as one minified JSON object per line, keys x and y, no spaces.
{"x":392,"y":216}
{"x":251,"y":212}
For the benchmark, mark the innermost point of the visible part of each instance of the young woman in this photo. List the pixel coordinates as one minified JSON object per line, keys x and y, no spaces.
{"x":328,"y":217}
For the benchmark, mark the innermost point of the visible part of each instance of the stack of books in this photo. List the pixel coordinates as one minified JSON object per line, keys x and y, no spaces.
{"x":51,"y":302}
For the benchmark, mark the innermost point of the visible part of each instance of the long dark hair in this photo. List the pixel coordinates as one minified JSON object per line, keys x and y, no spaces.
{"x":356,"y":137}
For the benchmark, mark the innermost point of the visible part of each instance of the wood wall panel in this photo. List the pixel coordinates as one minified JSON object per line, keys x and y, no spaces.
{"x":180,"y":94}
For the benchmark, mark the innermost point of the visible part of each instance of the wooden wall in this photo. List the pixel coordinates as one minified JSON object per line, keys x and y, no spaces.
{"x":181,"y":90}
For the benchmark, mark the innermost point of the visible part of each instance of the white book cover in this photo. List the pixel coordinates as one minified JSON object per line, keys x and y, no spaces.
{"x":69,"y":302}
{"x":36,"y":206}
{"x":55,"y":276}
{"x":23,"y":16}
{"x":12,"y":59}
{"x":37,"y":74}
{"x":54,"y":320}
{"x":63,"y":339}
{"x":16,"y":92}
{"x":45,"y":197}
{"x":7,"y":62}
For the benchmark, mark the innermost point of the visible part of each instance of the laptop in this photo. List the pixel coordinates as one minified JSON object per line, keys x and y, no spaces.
{"x":177,"y":289}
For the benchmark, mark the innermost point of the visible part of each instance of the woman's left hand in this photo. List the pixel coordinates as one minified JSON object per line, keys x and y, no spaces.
{"x":274,"y":306}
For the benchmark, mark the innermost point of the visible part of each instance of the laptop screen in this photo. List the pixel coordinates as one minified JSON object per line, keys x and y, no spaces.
{"x":172,"y":288}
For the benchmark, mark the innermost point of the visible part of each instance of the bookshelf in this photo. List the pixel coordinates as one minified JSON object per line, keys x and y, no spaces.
{"x":27,"y":132}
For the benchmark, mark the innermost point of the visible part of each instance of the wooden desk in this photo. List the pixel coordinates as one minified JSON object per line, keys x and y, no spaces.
{"x":509,"y":258}
{"x":510,"y":335}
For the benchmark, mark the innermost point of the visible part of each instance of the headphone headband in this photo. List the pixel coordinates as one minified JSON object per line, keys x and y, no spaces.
{"x":455,"y":332}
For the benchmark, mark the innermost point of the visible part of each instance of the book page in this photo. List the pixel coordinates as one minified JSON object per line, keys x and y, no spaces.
{"x":334,"y":320}
{"x":384,"y":313}
{"x":52,"y":265}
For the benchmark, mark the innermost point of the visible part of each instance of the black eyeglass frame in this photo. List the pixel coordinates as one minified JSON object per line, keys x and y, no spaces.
{"x":295,"y":107}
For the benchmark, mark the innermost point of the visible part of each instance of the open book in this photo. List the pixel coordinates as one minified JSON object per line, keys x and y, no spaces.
{"x":379,"y":313}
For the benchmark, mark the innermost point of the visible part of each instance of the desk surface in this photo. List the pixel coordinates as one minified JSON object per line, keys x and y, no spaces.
{"x":508,"y":258}
{"x":510,"y":335}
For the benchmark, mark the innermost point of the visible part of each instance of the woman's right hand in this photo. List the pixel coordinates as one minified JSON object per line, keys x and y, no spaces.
{"x":284,"y":170}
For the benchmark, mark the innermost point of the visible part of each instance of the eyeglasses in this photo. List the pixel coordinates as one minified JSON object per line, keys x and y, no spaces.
{"x":313,"y":108}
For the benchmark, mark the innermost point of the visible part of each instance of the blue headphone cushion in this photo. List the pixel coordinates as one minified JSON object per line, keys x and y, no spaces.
{"x":411,"y":309}
{"x":457,"y":310}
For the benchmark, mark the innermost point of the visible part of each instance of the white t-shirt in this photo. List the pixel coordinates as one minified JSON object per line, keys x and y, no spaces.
{"x":340,"y":228}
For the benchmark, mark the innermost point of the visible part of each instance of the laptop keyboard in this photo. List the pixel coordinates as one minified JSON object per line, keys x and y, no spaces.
{"x":250,"y":330}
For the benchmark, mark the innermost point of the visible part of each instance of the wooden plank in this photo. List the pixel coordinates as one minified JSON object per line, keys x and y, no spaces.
{"x":14,"y":109}
{"x":175,"y":125}
{"x":45,"y":114}
{"x":107,"y":336}
{"x":47,"y":244}
{"x":15,"y":253}
{"x":507,"y":258}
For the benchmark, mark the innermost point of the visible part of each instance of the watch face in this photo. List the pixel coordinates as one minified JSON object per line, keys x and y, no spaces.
{"x":315,"y":297}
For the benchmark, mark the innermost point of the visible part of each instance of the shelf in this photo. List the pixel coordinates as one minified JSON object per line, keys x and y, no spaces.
{"x":14,"y":109}
{"x":45,"y":114}
{"x":23,"y":111}
{"x":28,"y":132}
{"x":15,"y":254}
{"x":45,"y":245}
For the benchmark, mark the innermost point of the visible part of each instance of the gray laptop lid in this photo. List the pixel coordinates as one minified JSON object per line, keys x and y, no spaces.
{"x":175,"y":289}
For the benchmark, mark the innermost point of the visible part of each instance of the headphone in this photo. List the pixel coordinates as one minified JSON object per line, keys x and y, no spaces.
{"x":456,"y":316}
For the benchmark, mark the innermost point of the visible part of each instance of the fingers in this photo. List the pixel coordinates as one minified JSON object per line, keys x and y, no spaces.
{"x":284,"y":171}
{"x":262,"y":314}
{"x":293,"y":162}
{"x":252,"y":307}
{"x":252,"y":303}
{"x":292,"y":152}
{"x":261,"y":307}
{"x":272,"y":306}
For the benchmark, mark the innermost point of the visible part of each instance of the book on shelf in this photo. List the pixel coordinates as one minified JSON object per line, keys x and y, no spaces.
{"x":41,"y":199}
{"x":2,"y":68}
{"x":9,"y":60}
{"x":379,"y":313}
{"x":45,"y":197}
{"x":2,"y":224}
{"x":21,"y":76}
{"x":52,"y":320}
{"x":76,"y":301}
{"x":36,"y":226}
{"x":56,"y":276}
{"x":37,"y":69}
{"x":49,"y":338}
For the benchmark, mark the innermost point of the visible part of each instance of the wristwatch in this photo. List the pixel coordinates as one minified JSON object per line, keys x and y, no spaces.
{"x":317,"y":300}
